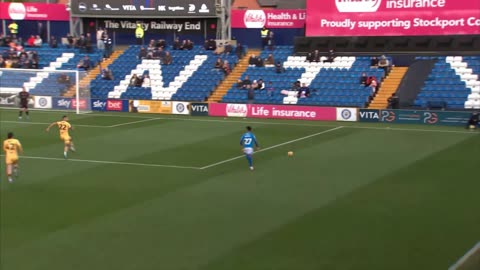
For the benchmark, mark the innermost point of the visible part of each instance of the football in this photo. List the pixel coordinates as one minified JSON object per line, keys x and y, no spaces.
{"x":290,"y":153}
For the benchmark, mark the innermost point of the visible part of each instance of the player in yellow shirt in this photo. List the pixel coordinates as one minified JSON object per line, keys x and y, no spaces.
{"x":11,"y":147}
{"x":64,"y":127}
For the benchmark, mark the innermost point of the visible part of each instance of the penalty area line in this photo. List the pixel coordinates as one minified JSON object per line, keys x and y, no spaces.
{"x":110,"y":162}
{"x":272,"y":147}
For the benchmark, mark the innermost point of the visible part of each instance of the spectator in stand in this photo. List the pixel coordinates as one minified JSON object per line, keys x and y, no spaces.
{"x":331,"y":56}
{"x":31,"y":41}
{"x":38,"y":41}
{"x":264,"y":36}
{"x":177,"y":45}
{"x":146,"y":81}
{"x":219,"y":63}
{"x":2,"y":62}
{"x":161,"y":53}
{"x":151,"y":45}
{"x":53,"y":42}
{"x":239,"y":50}
{"x":139,"y":81}
{"x":188,"y":45}
{"x":243,"y":84}
{"x":81,"y":43}
{"x":33,"y":63}
{"x":252,"y":61}
{"x":142,"y":54}
{"x":228,"y":48}
{"x":70,"y":41}
{"x":220,"y":49}
{"x":384,"y":64}
{"x":296,"y":86}
{"x":85,"y":63}
{"x":226,"y":68}
{"x":314,"y":56}
{"x":270,"y":61}
{"x":254,"y":85}
{"x":162,"y":43}
{"x":279,"y":68}
{"x":184,"y":45}
{"x":374,"y":61}
{"x":250,"y":94}
{"x":211,"y":45}
{"x":260,"y":85}
{"x":373,"y":85}
{"x":304,"y":91}
{"x":99,"y":36}
{"x":108,"y":46}
{"x":363,"y":79}
{"x":167,"y":60}
{"x":133,"y":80}
{"x":393,"y":101}
{"x":259,"y":62}
{"x":270,"y":89}
{"x":270,"y":41}
{"x":107,"y":74}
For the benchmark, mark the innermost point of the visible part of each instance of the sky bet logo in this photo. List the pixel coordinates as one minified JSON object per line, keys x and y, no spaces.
{"x":100,"y":105}
{"x":357,"y":5}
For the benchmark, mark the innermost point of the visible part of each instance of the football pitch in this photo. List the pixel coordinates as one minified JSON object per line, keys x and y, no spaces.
{"x":175,"y":193}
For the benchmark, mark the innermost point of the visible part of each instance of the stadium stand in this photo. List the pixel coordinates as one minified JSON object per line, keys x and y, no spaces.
{"x":335,"y":83}
{"x":190,"y":77}
{"x":44,"y":83}
{"x":452,"y":84}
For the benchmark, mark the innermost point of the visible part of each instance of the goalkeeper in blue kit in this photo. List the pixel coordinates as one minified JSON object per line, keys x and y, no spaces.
{"x":249,"y":142}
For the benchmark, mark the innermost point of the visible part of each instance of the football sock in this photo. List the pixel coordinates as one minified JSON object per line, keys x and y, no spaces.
{"x":15,"y":171}
{"x":20,"y":114}
{"x":27,"y":113}
{"x":65,"y":154}
{"x":250,"y":160}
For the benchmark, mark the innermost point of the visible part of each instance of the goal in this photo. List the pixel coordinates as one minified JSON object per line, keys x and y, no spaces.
{"x":50,"y":89}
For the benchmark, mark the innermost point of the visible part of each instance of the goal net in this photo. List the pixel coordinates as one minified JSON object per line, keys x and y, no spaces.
{"x":49,"y":89}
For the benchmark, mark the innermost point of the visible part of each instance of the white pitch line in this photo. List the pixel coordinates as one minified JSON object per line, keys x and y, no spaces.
{"x":134,"y":122}
{"x":111,"y":162}
{"x":46,"y":124}
{"x":415,"y":130}
{"x":272,"y":147}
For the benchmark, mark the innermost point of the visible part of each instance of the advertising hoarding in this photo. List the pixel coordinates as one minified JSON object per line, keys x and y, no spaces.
{"x":150,"y":106}
{"x":99,"y":105}
{"x":347,"y":114}
{"x":143,"y":8}
{"x":199,"y":109}
{"x":34,"y":11}
{"x":368,"y":115}
{"x":42,"y":102}
{"x":179,"y":107}
{"x":160,"y":25}
{"x":424,"y":117}
{"x":273,"y":111}
{"x":269,"y":18}
{"x":392,"y":17}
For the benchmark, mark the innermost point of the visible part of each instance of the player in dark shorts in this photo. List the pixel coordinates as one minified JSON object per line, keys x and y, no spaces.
{"x":24,"y":98}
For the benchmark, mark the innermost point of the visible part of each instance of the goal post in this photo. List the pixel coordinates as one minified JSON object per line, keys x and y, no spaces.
{"x":50,"y":89}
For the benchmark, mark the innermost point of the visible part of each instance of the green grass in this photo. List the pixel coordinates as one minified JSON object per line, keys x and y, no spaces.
{"x":357,"y":197}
